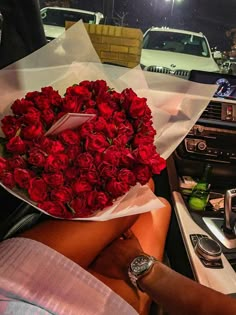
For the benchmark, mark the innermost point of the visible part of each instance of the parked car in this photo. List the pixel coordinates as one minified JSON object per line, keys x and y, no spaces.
{"x":54,"y":19}
{"x":229,"y":66}
{"x":176,"y":52}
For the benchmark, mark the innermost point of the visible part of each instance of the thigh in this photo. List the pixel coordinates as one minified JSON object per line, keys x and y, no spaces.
{"x":80,"y":241}
{"x":151,"y":229}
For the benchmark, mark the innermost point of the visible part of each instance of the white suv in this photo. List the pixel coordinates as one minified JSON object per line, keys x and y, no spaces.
{"x":54,"y":19}
{"x":176,"y":52}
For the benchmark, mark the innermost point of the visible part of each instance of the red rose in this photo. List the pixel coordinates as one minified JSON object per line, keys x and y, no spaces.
{"x":144,"y":153}
{"x":37,"y":157}
{"x":97,"y":200}
{"x":52,"y":95}
{"x":138,"y":107}
{"x":112,"y":155}
{"x":57,"y":162}
{"x":143,"y":173}
{"x":22,"y":177}
{"x":126,"y":158}
{"x":80,"y":91}
{"x":140,"y":139}
{"x":70,"y":104}
{"x":16,"y":161}
{"x":69,"y":137}
{"x":86,"y":129}
{"x":100,"y":87}
{"x":126,"y":128}
{"x":157,"y":164}
{"x":128,"y":95}
{"x":121,"y":140}
{"x":37,"y":189}
{"x":43,"y":143}
{"x":110,"y":131}
{"x":96,"y":143}
{"x":71,"y":173}
{"x":20,"y":107}
{"x":55,"y":147}
{"x":32,"y":116}
{"x":90,"y":111}
{"x":48,"y":117}
{"x":63,"y":194}
{"x":42,"y":102}
{"x":90,"y":175}
{"x":73,"y":151}
{"x":10,"y":126}
{"x":10,"y":130}
{"x":105,"y":110}
{"x":127,"y":176}
{"x":85,"y":160}
{"x":90,"y":104}
{"x":16,"y":145}
{"x":32,"y":131}
{"x":119,"y":117}
{"x":116,"y":188}
{"x":100,"y":124}
{"x":53,"y":180}
{"x":107,"y":170}
{"x":55,"y":208}
{"x":80,"y":186}
{"x":79,"y":205}
{"x":3,"y":166}
{"x":8,"y":180}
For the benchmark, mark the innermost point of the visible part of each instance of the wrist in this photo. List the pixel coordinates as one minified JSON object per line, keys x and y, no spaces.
{"x":139,"y":268}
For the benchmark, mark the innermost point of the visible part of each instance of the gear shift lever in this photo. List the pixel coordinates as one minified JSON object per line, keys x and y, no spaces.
{"x":230,"y":215}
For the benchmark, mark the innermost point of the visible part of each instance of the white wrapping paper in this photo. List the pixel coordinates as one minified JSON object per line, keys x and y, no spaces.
{"x":176,"y":104}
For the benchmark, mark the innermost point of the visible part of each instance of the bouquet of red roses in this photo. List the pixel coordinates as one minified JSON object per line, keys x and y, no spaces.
{"x":72,"y":172}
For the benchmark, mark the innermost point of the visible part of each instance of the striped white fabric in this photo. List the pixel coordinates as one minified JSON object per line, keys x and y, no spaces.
{"x":34,"y":279}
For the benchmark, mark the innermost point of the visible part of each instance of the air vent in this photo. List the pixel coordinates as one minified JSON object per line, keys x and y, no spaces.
{"x":213,"y":111}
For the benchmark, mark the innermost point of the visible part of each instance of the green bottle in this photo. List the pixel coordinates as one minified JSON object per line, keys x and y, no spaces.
{"x":200,"y":193}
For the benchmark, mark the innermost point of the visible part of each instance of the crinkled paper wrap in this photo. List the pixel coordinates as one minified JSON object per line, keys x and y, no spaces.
{"x":176,"y":104}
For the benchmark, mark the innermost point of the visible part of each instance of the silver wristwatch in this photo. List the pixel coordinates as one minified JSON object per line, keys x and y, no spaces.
{"x":140,"y":266}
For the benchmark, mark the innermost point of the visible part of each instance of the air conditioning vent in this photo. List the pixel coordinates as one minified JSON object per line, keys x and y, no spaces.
{"x":213,"y":111}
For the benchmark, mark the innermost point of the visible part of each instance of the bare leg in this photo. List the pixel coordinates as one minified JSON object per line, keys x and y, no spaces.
{"x":78,"y":240}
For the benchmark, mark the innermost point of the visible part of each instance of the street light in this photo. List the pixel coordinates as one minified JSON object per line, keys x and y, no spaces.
{"x":172,"y":5}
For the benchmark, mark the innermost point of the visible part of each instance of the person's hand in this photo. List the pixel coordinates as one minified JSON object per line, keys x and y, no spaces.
{"x":114,"y":260}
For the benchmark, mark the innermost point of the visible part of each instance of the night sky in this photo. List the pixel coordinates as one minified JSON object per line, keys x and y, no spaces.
{"x":211,"y":17}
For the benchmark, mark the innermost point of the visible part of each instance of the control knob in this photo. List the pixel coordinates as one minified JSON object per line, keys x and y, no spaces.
{"x":201,"y":145}
{"x":208,"y":249}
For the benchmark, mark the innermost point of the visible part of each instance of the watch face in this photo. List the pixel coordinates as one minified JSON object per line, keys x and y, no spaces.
{"x":140,"y":264}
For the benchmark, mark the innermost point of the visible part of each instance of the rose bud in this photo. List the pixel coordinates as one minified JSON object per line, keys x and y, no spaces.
{"x":55,"y":208}
{"x":8,"y":180}
{"x":37,"y":157}
{"x":22,"y":177}
{"x":37,"y":189}
{"x":16,"y":145}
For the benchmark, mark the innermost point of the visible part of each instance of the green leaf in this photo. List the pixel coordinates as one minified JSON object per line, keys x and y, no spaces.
{"x":69,"y":208}
{"x":18,"y":132}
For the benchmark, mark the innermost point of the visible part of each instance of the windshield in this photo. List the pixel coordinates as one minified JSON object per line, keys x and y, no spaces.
{"x":176,"y":42}
{"x":59,"y":17}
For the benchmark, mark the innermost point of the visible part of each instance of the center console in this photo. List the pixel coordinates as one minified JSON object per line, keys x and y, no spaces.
{"x":211,"y":140}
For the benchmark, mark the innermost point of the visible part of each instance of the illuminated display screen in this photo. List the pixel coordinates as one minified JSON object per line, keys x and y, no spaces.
{"x":226,"y":83}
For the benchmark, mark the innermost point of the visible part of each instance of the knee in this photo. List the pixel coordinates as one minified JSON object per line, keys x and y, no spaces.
{"x":151,"y":184}
{"x":165,"y":210}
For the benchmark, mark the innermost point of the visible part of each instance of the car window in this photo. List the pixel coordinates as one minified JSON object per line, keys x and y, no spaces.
{"x":59,"y":17}
{"x":176,"y":42}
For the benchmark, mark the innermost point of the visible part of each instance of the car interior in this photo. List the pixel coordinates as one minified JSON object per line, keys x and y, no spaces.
{"x":211,"y":140}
